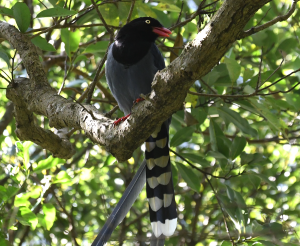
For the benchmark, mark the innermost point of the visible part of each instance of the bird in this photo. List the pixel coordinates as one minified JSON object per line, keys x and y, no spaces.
{"x":132,"y":62}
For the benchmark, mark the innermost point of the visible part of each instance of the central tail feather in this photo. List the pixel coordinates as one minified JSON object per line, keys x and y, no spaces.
{"x":159,"y":183}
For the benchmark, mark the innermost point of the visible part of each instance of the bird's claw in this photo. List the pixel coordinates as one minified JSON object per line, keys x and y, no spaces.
{"x":138,"y":100}
{"x":118,"y":121}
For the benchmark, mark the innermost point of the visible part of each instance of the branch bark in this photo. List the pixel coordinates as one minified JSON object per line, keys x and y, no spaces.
{"x":170,"y":85}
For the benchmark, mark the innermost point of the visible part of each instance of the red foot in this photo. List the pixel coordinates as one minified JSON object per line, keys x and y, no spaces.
{"x":138,"y":100}
{"x":118,"y":121}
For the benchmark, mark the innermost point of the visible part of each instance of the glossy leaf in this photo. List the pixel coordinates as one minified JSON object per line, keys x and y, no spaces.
{"x":55,"y":12}
{"x":237,"y":120}
{"x":42,"y":44}
{"x":182,"y":136}
{"x":22,"y":15}
{"x":71,"y":40}
{"x":48,"y":163}
{"x":234,"y":69}
{"x":189,"y":176}
{"x":237,"y":147}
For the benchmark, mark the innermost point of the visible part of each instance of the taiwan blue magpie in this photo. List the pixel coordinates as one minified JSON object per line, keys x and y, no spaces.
{"x":133,"y":60}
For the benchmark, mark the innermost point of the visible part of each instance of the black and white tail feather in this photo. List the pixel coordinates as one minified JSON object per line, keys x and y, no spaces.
{"x":159,"y":183}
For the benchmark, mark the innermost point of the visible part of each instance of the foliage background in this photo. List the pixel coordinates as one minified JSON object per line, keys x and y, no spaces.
{"x":235,"y":157}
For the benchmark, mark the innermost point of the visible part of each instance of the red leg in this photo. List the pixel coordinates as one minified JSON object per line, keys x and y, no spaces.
{"x":138,"y":100}
{"x":118,"y":121}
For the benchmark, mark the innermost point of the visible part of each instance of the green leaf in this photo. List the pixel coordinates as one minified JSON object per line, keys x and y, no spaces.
{"x":233,"y":68}
{"x":216,"y":155}
{"x":145,"y":9}
{"x":264,"y":178}
{"x":237,"y":120}
{"x":71,"y":40}
{"x":11,"y":191}
{"x":97,"y":47}
{"x":237,"y":147}
{"x":110,"y":14}
{"x":26,"y":217}
{"x":50,"y":213}
{"x":181,"y":136}
{"x":189,"y":177}
{"x":62,"y":177}
{"x":42,"y":44}
{"x":226,"y":243}
{"x":199,"y":114}
{"x":4,"y":242}
{"x":22,"y":15}
{"x":21,"y":200}
{"x":109,"y":160}
{"x":5,"y":57}
{"x":248,"y":73}
{"x":276,"y":124}
{"x":20,"y":149}
{"x":48,"y":163}
{"x":167,"y":7}
{"x":3,"y":193}
{"x":293,"y":99}
{"x":174,"y":174}
{"x":252,"y":179}
{"x":214,"y":132}
{"x":6,"y":11}
{"x":196,"y":158}
{"x":55,"y":12}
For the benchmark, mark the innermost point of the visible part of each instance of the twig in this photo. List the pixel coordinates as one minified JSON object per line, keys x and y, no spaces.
{"x":204,"y":172}
{"x":194,"y":15}
{"x":220,"y":205}
{"x":101,"y":18}
{"x":97,"y":75}
{"x":270,"y":23}
{"x":130,"y":11}
{"x":70,"y":218}
{"x":279,"y":80}
{"x":274,"y":71}
{"x":259,"y":72}
{"x":208,"y":86}
{"x":109,"y":114}
{"x":178,"y":19}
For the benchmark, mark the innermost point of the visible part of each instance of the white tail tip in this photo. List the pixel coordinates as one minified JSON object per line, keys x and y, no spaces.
{"x":166,"y":228}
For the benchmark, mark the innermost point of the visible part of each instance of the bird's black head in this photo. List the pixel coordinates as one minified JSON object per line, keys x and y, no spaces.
{"x":134,"y":39}
{"x":142,"y":29}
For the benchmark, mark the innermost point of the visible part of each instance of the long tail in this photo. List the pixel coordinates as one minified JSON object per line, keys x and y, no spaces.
{"x":159,"y":183}
{"x":123,"y":206}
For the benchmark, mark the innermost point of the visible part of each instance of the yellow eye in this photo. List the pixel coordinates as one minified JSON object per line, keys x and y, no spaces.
{"x":147,"y":21}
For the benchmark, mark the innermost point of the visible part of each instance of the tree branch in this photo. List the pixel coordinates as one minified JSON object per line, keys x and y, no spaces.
{"x":169,"y":86}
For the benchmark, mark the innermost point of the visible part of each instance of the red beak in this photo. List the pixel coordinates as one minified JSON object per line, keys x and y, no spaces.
{"x":161,"y":31}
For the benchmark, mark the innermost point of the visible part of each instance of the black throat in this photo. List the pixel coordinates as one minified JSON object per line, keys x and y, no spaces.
{"x":129,"y":52}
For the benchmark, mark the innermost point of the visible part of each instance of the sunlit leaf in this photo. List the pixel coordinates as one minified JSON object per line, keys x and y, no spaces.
{"x":167,"y":7}
{"x":49,"y":212}
{"x":48,"y":163}
{"x":27,"y":217}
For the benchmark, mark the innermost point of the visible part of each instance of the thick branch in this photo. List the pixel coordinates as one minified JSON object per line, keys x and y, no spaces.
{"x":169,"y":86}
